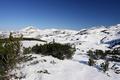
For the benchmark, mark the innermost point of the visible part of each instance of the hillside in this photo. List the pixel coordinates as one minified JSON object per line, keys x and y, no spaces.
{"x":50,"y":68}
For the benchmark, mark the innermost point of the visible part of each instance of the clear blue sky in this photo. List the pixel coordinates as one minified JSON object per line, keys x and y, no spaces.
{"x":72,"y":14}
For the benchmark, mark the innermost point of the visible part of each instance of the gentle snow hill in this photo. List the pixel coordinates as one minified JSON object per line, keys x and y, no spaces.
{"x":49,"y":68}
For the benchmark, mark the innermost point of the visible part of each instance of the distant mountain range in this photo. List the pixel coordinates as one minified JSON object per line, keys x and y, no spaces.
{"x":100,"y":37}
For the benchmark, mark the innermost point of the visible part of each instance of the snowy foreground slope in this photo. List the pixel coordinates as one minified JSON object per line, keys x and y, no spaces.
{"x":60,"y":70}
{"x":49,"y":68}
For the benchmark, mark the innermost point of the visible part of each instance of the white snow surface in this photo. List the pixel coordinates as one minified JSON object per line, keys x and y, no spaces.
{"x":73,"y":69}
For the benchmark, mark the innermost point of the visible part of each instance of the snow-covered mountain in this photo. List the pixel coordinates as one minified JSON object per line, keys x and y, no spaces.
{"x":100,"y":37}
{"x":103,"y":38}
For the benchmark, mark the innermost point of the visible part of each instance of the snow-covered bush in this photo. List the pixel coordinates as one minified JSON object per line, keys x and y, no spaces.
{"x":116,"y":68}
{"x":104,"y":66}
{"x":99,"y":54}
{"x":60,"y":51}
{"x":91,"y":60}
{"x":9,"y":53}
{"x":113,"y":55}
{"x":27,"y":50}
{"x":106,"y":56}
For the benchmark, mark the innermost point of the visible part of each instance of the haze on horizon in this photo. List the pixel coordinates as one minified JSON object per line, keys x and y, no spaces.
{"x":68,"y":14}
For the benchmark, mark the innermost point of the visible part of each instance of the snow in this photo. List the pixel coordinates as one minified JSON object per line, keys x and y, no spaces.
{"x":61,"y":70}
{"x":74,"y":69}
{"x":31,"y":43}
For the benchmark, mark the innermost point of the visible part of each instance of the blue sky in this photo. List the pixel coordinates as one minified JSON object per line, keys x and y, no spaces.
{"x":71,"y":14}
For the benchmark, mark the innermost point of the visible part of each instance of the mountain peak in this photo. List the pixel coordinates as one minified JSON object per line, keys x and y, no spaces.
{"x":30,"y":29}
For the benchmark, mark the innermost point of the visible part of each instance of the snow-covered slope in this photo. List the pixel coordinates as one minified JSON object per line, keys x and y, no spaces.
{"x":49,"y":68}
{"x":100,"y":37}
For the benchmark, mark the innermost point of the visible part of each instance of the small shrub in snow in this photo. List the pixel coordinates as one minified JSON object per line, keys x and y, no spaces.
{"x":34,"y":63}
{"x":91,"y":61}
{"x":116,"y":69}
{"x":99,"y":54}
{"x":27,"y":50}
{"x":91,"y":54}
{"x":60,"y":51}
{"x":113,"y":55}
{"x":43,"y":71}
{"x":53,"y":62}
{"x":108,"y":55}
{"x":104,"y":66}
{"x":26,"y":58}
